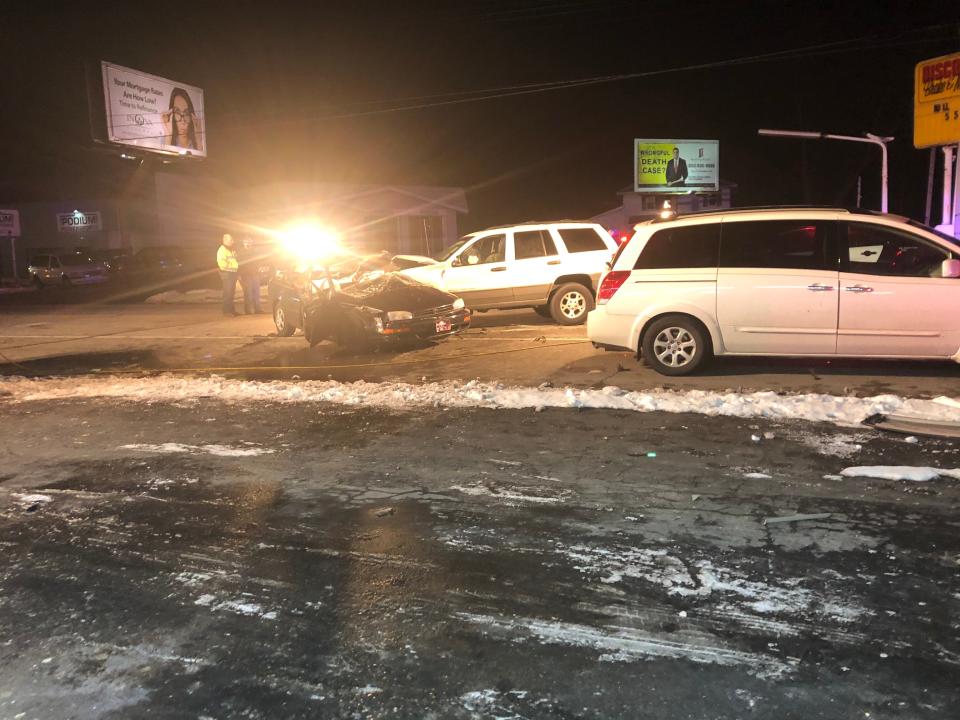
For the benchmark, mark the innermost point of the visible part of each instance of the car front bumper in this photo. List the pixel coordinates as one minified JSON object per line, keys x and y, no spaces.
{"x":425,"y":327}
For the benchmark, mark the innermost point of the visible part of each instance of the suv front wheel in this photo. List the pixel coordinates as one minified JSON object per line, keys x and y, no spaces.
{"x":676,"y":345}
{"x":570,"y":304}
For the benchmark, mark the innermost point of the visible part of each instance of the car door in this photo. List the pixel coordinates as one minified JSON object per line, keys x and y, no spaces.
{"x":777,"y":286}
{"x":892,"y":300}
{"x":588,"y":249}
{"x":478,"y":273}
{"x":534,"y":266}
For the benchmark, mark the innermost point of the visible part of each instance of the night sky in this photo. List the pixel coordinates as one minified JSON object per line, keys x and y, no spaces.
{"x":276,"y":74}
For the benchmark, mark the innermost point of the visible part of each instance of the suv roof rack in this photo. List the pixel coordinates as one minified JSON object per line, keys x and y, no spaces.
{"x":776,"y":208}
{"x":534,"y":222}
{"x":773,"y":208}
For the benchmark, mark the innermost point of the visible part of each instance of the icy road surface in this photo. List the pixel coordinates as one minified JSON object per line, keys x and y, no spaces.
{"x":227,"y":550}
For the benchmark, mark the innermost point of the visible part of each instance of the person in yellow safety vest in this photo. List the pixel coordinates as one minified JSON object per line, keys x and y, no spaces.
{"x":228,"y":264}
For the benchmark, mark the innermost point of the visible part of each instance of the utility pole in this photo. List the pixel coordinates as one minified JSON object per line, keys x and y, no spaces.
{"x":867,"y":138}
{"x":946,"y":217}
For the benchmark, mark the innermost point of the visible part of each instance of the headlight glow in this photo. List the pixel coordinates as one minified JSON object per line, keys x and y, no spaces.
{"x":399,"y":315}
{"x":458,"y":304}
{"x":309,"y":241}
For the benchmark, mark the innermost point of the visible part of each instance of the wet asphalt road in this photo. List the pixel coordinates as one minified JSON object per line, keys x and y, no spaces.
{"x":515,"y":347}
{"x":198,"y":560}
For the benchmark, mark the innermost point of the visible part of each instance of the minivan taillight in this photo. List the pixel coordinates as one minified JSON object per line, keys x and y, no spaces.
{"x":611,"y":283}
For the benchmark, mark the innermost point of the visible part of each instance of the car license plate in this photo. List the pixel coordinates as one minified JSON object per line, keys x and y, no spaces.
{"x":444,"y":326}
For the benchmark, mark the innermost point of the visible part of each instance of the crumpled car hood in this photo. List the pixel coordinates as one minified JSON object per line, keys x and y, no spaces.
{"x":396,"y":292}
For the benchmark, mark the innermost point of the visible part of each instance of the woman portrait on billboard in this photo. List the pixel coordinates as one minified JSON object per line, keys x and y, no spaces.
{"x":182,"y":126}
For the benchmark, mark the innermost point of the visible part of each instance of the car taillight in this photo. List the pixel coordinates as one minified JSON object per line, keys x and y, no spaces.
{"x":611,"y":283}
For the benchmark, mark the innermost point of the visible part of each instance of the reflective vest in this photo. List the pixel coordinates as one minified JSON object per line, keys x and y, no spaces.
{"x":227,"y":259}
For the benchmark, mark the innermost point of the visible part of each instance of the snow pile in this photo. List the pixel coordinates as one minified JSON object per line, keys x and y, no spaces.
{"x":900,"y":472}
{"x":401,"y":396}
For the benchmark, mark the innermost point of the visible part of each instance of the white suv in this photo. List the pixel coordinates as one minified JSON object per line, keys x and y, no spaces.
{"x":827,"y":283}
{"x":552,"y":267}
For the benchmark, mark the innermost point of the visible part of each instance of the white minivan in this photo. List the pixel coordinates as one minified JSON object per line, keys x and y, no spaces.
{"x":552,"y":267}
{"x":782,"y":282}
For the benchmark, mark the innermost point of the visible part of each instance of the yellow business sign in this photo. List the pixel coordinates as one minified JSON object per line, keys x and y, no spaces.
{"x":936,"y":107}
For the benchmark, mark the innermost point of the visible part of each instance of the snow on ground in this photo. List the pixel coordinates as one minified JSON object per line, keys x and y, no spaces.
{"x":701,"y":579}
{"x":239,"y":607}
{"x":513,"y":496}
{"x":31,"y":499}
{"x":626,"y":644}
{"x":900,"y":472}
{"x":219,"y":450}
{"x":403,"y":396}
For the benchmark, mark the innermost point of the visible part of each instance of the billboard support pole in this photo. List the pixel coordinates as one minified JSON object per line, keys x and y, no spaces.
{"x":947,"y":216}
{"x":13,"y":257}
{"x":956,"y":199}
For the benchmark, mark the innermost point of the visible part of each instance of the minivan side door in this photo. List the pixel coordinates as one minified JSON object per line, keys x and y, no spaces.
{"x":777,"y":286}
{"x":893,"y":301}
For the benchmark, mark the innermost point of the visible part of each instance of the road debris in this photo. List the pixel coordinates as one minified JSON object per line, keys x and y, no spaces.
{"x":914,"y":425}
{"x":901,"y":472}
{"x":795,"y":518}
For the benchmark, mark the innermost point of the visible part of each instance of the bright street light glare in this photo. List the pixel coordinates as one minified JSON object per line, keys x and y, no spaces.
{"x":308,"y":240}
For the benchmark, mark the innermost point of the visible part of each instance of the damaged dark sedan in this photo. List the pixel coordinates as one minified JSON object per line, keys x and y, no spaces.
{"x":364,"y":310}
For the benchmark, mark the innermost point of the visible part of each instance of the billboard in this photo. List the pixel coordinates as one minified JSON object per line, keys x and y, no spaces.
{"x":936,"y":102}
{"x":673,"y":166}
{"x":153,"y":113}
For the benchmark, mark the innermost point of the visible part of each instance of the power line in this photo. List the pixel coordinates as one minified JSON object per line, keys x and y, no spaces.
{"x":471,"y":96}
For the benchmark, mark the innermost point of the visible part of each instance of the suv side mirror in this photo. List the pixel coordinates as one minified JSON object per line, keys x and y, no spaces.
{"x":950,"y":269}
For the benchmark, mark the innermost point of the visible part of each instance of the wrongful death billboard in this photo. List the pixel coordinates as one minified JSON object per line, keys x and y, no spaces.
{"x":153,"y":113}
{"x":672,"y":166}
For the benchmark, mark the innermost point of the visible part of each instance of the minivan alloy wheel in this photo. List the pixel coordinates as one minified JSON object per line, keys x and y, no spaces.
{"x":674,"y":346}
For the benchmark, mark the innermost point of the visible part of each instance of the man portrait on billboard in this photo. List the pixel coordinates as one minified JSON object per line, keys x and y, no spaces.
{"x":182,"y":126}
{"x":677,"y":170}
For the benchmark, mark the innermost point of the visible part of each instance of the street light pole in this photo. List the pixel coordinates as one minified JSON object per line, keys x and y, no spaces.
{"x":868,"y":138}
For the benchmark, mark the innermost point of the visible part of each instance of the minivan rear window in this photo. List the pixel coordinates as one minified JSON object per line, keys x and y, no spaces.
{"x":780,"y":244}
{"x":693,"y":246}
